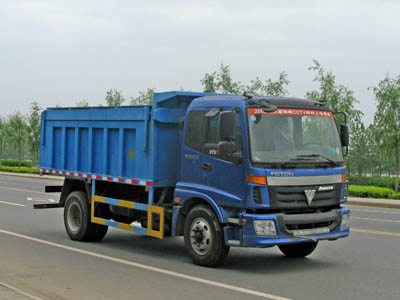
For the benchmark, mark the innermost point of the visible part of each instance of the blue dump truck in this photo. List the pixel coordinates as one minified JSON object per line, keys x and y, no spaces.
{"x":221,"y":170}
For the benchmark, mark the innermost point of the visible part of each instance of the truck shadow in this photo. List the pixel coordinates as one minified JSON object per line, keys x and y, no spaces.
{"x":263,"y":261}
{"x":270,"y":260}
{"x":170,"y":248}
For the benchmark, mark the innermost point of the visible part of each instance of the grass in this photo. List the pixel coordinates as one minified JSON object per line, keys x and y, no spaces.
{"x":19,"y":170}
{"x":372,"y":192}
{"x":374,"y":181}
{"x":16,"y":163}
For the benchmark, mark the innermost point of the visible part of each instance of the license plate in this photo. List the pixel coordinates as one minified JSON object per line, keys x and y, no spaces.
{"x":311,"y":231}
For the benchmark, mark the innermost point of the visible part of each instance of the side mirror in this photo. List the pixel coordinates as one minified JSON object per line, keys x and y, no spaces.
{"x":344,"y":135}
{"x":227,"y":121}
{"x":227,"y":151}
{"x":226,"y":148}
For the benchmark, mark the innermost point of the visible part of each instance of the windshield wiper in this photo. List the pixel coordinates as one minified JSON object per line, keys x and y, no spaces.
{"x":264,"y":103}
{"x":294,"y":160}
{"x":331,"y":162}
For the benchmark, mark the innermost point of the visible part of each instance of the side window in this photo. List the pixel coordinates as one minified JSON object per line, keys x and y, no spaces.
{"x":212,"y":139}
{"x":213,"y":131}
{"x":194,"y":129}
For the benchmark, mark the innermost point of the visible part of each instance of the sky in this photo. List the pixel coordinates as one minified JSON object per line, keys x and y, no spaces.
{"x":61,"y":52}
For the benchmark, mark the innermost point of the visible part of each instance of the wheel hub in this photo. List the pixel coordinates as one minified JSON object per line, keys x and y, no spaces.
{"x":74,"y":217}
{"x":201,"y":236}
{"x":198,"y":235}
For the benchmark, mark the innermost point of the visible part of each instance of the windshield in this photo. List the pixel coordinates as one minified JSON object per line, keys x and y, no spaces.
{"x":295,"y":135}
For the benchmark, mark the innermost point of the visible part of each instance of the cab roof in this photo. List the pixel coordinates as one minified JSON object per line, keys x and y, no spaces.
{"x":232,"y":100}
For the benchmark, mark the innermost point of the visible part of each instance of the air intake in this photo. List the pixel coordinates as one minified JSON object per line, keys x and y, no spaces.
{"x":257,"y":195}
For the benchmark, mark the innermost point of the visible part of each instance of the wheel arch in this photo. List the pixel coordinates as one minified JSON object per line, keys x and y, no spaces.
{"x":192,"y":200}
{"x":74,"y":184}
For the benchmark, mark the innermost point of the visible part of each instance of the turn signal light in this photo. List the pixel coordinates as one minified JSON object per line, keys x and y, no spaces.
{"x":257,"y":179}
{"x":344,"y":177}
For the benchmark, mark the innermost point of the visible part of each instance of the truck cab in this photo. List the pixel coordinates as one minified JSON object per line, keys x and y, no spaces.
{"x":271,"y":169}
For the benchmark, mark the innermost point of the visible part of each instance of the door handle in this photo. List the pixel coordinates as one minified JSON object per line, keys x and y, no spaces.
{"x":206,"y":167}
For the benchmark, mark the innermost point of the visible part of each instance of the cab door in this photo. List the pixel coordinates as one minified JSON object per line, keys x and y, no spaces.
{"x":192,"y":148}
{"x":222,"y":179}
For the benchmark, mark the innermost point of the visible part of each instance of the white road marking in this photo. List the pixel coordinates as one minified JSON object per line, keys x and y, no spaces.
{"x":10,"y":203}
{"x":40,"y":199}
{"x":376,"y":211}
{"x":374,"y":232}
{"x":149,"y":268}
{"x":392,"y":221}
{"x":19,"y":291}
{"x":21,"y":190}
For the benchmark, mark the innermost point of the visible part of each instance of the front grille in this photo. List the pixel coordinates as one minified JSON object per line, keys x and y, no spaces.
{"x":291,"y":197}
{"x":289,"y":223}
{"x":309,"y":226}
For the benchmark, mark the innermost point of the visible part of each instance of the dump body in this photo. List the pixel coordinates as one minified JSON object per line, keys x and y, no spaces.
{"x":138,"y":144}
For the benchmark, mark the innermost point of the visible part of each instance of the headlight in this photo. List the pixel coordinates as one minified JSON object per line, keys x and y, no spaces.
{"x":345,"y":222}
{"x":265,"y":227}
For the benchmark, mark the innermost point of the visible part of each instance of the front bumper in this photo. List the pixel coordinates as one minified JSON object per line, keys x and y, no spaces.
{"x":287,"y":229}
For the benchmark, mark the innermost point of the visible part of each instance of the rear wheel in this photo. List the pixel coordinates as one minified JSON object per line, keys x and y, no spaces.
{"x":298,"y":250}
{"x":77,"y":217}
{"x":204,"y":237}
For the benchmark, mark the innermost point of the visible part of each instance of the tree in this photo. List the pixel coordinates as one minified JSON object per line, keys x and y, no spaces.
{"x":82,"y":103}
{"x":2,"y":138}
{"x":5,"y":140}
{"x":268,"y":87}
{"x":114,"y":98}
{"x":340,"y":99}
{"x":17,"y":133}
{"x":359,"y":156}
{"x":34,"y":131}
{"x":144,"y":98}
{"x":380,"y":156}
{"x":387,"y":118}
{"x":221,"y":82}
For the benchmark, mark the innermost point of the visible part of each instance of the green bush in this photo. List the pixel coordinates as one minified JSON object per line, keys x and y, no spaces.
{"x":374,"y":181}
{"x":15,"y":163}
{"x":371,"y":192}
{"x":396,"y":196}
{"x":19,"y":170}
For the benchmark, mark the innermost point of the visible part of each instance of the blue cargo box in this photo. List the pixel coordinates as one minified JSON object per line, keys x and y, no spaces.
{"x":127,"y":144}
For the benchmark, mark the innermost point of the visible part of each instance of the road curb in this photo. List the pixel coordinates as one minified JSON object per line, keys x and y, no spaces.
{"x":34,"y":176}
{"x":380,"y":203}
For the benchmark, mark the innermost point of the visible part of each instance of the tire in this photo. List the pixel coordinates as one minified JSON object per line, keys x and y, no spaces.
{"x":298,"y":250}
{"x":99,"y":233}
{"x":204,"y":237}
{"x":77,"y":217}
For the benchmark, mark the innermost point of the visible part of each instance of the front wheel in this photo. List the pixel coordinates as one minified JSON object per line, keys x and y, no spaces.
{"x":298,"y":250}
{"x":204,"y":237}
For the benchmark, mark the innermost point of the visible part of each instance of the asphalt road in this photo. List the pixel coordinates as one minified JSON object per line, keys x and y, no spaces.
{"x":38,"y":259}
